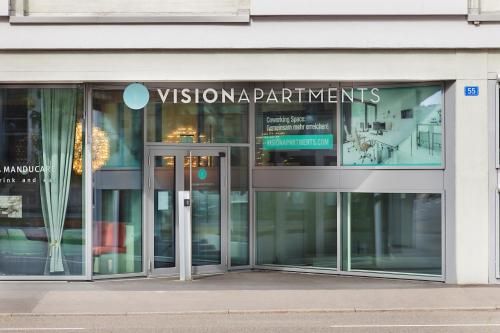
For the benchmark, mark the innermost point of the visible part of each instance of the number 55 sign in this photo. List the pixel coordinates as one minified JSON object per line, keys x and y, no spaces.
{"x":471,"y":91}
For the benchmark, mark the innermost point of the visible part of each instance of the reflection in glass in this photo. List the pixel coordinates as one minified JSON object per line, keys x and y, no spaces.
{"x":404,"y":128}
{"x":392,"y":232}
{"x":239,"y":207}
{"x":117,"y":162}
{"x":297,"y":229}
{"x":171,"y":122}
{"x":164,"y":212}
{"x":32,"y":240}
{"x":206,"y":208}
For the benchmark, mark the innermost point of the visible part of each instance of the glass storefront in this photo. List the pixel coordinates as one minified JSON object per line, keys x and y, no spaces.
{"x":140,"y":159}
{"x":392,"y":232}
{"x":297,"y":229}
{"x":42,"y":231}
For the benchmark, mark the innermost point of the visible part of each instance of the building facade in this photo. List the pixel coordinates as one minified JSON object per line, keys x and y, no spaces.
{"x":339,"y":137}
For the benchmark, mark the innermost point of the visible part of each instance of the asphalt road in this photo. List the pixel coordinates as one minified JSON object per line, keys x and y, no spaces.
{"x":373,"y":322}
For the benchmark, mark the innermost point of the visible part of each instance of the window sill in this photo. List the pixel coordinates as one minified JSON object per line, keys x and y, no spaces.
{"x":484,"y":17}
{"x":241,"y":17}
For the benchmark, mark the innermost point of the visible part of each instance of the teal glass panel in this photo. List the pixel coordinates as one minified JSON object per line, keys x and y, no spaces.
{"x":297,"y":229}
{"x":239,"y":249}
{"x":403,"y":126}
{"x":25,"y":234}
{"x":392,"y":232}
{"x":117,"y":150}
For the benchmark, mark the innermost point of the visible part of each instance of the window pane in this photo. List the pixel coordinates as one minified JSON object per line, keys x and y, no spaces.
{"x":206,"y":208}
{"x":392,"y":232}
{"x":297,"y":229}
{"x":179,"y":122}
{"x":239,"y":206}
{"x":117,"y":150}
{"x":35,"y":123}
{"x":295,"y":133}
{"x":402,"y":127}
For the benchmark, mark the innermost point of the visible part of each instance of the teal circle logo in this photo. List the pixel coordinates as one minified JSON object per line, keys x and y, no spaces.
{"x":202,"y":174}
{"x":136,"y":96}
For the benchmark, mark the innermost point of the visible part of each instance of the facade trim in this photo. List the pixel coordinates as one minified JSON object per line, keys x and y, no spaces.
{"x":242,"y":16}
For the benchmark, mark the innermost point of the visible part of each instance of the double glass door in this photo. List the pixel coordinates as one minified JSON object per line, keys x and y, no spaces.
{"x":203,"y":172}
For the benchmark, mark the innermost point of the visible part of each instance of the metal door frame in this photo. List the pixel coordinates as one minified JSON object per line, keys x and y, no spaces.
{"x":181,"y":151}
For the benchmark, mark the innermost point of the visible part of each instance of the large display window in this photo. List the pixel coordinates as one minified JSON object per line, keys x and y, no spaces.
{"x":402,"y":126}
{"x":392,"y":232}
{"x":380,"y":126}
{"x":297,"y":229}
{"x":42,"y":232}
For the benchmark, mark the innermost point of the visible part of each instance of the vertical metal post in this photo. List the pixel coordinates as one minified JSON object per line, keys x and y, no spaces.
{"x":88,"y":203}
{"x":185,"y":233}
{"x":184,"y":208}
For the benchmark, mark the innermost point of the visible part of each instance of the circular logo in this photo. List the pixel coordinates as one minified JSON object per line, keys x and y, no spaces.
{"x":136,"y":96}
{"x":202,"y":174}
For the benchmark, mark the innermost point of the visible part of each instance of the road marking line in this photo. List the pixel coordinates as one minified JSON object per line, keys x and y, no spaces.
{"x":414,"y":325}
{"x":42,"y":329}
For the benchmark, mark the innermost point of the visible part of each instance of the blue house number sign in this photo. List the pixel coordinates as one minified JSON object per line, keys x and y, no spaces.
{"x":471,"y":91}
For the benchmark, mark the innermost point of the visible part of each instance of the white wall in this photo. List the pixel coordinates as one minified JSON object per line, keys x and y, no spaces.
{"x":4,"y":8}
{"x":489,"y":5}
{"x":261,"y":33}
{"x":227,"y":66}
{"x":358,"y":7}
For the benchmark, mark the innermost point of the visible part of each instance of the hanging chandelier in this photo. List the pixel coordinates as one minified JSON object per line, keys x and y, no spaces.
{"x":100,"y":149}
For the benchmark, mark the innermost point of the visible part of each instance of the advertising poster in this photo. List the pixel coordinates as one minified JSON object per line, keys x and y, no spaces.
{"x":293,"y":130}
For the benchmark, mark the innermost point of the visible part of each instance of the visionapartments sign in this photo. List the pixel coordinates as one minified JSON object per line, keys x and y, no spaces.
{"x":258,"y":95}
{"x":136,"y":96}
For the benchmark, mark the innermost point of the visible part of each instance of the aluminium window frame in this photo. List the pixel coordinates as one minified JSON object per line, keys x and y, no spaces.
{"x":285,"y":177}
{"x":494,"y":176}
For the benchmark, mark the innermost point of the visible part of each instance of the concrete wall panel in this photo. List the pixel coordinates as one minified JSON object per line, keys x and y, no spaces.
{"x":373,"y":33}
{"x":228,"y":66}
{"x":359,"y":7}
{"x":4,"y":7}
{"x":471,"y":167}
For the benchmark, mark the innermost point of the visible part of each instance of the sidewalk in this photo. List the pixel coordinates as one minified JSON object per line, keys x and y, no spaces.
{"x":241,"y":292}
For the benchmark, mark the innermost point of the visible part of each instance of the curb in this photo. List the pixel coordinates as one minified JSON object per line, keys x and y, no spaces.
{"x":257,"y":311}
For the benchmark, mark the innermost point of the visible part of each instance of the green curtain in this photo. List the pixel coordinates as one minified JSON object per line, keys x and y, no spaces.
{"x":58,"y":136}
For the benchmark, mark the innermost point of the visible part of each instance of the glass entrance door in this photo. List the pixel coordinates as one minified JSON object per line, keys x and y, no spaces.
{"x":203,"y":173}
